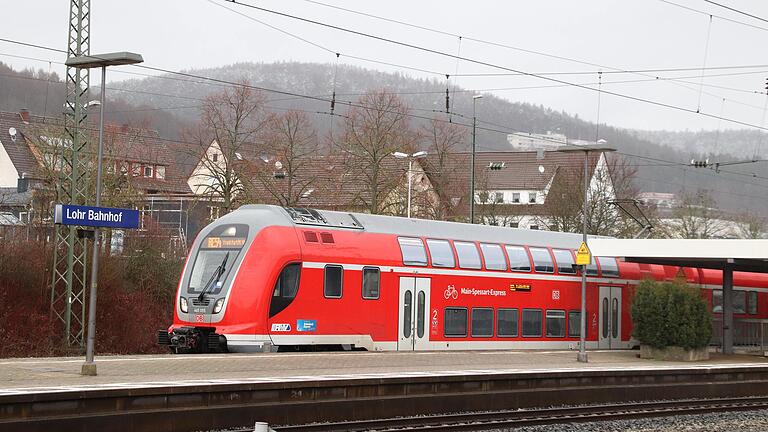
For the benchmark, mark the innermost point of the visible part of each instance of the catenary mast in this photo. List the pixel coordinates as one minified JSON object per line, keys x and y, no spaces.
{"x":69,"y":256}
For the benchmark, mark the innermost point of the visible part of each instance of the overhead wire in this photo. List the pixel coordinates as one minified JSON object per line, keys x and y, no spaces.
{"x":485,"y":63}
{"x":737,"y":10}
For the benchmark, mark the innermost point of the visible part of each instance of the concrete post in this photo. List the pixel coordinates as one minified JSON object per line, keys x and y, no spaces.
{"x":728,"y":307}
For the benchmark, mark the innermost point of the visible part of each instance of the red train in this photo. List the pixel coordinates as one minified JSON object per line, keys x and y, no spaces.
{"x":267,"y":276}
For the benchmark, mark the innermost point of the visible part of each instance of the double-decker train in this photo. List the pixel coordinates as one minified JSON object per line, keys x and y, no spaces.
{"x":264,"y":276}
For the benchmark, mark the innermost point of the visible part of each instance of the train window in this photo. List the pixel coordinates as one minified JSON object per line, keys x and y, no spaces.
{"x":371,"y":282}
{"x":752,"y":302}
{"x":574,"y":323}
{"x":413,"y":251}
{"x":455,"y":320}
{"x":518,"y":259}
{"x":286,"y":287}
{"x":555,"y":323}
{"x":739,"y":301}
{"x":334,"y":276}
{"x":592,"y":268}
{"x":506,"y":323}
{"x":565,"y":261}
{"x":542,"y":260}
{"x":482,"y":322}
{"x":420,"y":314}
{"x":441,"y":252}
{"x":531,"y":322}
{"x":494,"y":257}
{"x":469,"y":258}
{"x":609,"y":266}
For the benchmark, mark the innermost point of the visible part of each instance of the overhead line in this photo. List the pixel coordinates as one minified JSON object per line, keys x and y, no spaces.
{"x":737,"y":11}
{"x":716,"y":16}
{"x":484,"y":63}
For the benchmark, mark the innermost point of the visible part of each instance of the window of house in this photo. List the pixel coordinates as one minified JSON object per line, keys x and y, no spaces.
{"x":482,"y":322}
{"x":371,"y":282}
{"x":542,"y":260}
{"x":455,"y":320}
{"x":506,"y":323}
{"x":498,"y":197}
{"x":514,"y":225}
{"x":516,"y":197}
{"x":148,"y":171}
{"x":160,"y":172}
{"x":213,"y":212}
{"x":532,"y":197}
{"x":441,"y":253}
{"x":124,"y":167}
{"x":494,"y":256}
{"x":609,"y":266}
{"x":215,"y":157}
{"x":533,"y":227}
{"x":555,"y":323}
{"x":136,"y":170}
{"x":518,"y":259}
{"x":334,"y":275}
{"x":531,"y":322}
{"x":574,"y":323}
{"x":469,"y":257}
{"x":565,"y":261}
{"x":413,"y":251}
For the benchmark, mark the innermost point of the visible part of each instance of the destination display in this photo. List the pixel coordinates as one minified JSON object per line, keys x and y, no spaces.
{"x":104,"y":217}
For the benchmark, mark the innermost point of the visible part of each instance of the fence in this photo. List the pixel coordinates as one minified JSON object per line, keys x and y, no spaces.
{"x":749,"y":334}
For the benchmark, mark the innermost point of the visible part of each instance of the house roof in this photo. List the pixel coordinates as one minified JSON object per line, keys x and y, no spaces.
{"x":523,"y":170}
{"x":9,"y":197}
{"x":122,"y":143}
{"x":17,"y":147}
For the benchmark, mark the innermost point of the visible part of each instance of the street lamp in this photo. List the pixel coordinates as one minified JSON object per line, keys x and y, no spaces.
{"x":410,"y":157}
{"x":472,"y":177}
{"x":600,"y":146}
{"x":89,"y":62}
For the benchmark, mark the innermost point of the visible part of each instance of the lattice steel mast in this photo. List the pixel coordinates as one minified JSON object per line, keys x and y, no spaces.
{"x":69,"y":256}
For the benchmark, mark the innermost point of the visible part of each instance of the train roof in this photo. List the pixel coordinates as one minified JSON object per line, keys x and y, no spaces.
{"x":326,"y":219}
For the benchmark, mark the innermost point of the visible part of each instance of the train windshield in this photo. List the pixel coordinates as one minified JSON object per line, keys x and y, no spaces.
{"x":210,"y":265}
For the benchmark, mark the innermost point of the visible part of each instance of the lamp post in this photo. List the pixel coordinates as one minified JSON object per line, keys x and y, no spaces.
{"x":472,"y":176}
{"x":411,"y":158}
{"x":602,"y":147}
{"x":89,"y":62}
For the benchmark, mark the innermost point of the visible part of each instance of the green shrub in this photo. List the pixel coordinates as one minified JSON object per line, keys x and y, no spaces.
{"x":670,"y":314}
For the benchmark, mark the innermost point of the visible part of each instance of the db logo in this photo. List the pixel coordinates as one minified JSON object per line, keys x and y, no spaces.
{"x":199,"y":318}
{"x":555,"y":294}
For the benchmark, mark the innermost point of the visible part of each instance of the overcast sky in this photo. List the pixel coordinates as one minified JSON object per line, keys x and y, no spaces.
{"x":628,"y":35}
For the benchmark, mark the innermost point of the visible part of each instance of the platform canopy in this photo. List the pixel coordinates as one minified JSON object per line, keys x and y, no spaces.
{"x":738,"y":255}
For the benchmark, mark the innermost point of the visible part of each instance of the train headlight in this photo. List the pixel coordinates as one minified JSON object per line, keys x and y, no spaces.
{"x":183,"y":305}
{"x":218,"y":305}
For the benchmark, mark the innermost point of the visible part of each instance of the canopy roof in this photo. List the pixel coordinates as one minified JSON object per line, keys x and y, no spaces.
{"x":740,"y":255}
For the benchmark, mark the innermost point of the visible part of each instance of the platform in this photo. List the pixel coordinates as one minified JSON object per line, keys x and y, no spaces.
{"x":46,"y":375}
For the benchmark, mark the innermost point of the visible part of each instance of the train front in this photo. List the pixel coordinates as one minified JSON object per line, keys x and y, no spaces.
{"x":222,"y":298}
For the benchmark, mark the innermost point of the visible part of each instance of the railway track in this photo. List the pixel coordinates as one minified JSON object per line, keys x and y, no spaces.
{"x":543,"y":416}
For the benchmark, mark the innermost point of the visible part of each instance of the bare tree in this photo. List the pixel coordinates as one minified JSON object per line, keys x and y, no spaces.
{"x":291,"y":141}
{"x":227,"y":133}
{"x":372,"y":132}
{"x":696,"y":217}
{"x":751,"y":226}
{"x":611,"y":178}
{"x":447,"y":190}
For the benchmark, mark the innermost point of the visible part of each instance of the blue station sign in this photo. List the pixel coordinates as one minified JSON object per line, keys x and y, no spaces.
{"x":105,"y":217}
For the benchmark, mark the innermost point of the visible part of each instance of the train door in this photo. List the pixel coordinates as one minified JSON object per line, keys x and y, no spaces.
{"x":609,"y":329}
{"x":413,"y":315}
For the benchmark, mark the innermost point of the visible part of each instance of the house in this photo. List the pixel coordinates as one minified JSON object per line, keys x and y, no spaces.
{"x":521,"y":189}
{"x":136,"y":160}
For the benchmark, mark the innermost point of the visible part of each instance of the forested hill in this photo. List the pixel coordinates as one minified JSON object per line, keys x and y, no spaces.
{"x":172,"y":102}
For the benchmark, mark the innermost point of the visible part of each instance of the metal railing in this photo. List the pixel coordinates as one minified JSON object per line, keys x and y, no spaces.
{"x":749,"y":334}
